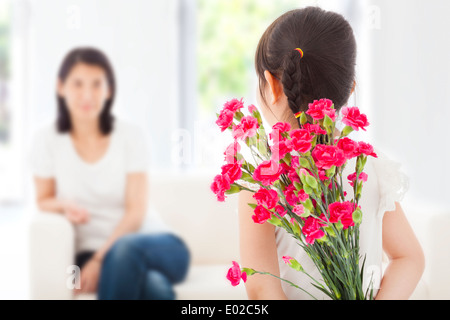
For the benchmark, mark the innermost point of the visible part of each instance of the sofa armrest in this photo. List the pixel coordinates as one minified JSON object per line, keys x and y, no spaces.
{"x":51,"y":257}
{"x":432,"y":232}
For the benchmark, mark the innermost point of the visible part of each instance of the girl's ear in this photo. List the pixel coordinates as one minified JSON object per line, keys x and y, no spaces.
{"x":276,"y":88}
{"x":354,"y":86}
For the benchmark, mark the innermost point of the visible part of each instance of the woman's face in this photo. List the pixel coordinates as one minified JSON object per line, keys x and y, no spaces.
{"x":85,"y":91}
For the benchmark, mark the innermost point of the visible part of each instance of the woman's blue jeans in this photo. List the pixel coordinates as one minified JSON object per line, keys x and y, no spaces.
{"x":143,"y":267}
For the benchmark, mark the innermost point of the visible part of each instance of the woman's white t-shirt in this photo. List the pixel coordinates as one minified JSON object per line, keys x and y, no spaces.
{"x":99,"y":187}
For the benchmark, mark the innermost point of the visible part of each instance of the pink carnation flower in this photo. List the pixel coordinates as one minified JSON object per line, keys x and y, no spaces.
{"x":291,"y":198}
{"x":246,"y":128}
{"x":233,"y":105}
{"x":287,"y":259}
{"x":303,"y":196}
{"x":233,"y":171}
{"x":220,"y":185}
{"x":301,"y":140}
{"x":278,"y":129}
{"x":261,"y":215}
{"x":367,"y":149}
{"x":362,"y":177}
{"x":252,"y":108}
{"x":268,"y":172}
{"x":266,"y":198}
{"x":298,"y":209}
{"x":319,"y":108}
{"x":231,"y":152}
{"x":314,"y":128}
{"x":311,"y":230}
{"x":280,"y":149}
{"x":353,"y":118}
{"x":342,"y":211}
{"x":225,"y":120}
{"x":326,"y":156}
{"x":349,"y":147}
{"x":280,"y":210}
{"x":235,"y":275}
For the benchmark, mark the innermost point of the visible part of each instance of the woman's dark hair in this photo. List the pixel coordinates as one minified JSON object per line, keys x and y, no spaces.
{"x":94,"y":57}
{"x":327,"y":69}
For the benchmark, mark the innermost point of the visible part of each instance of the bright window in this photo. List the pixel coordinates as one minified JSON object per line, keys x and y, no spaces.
{"x":228,"y":33}
{"x":5,"y":111}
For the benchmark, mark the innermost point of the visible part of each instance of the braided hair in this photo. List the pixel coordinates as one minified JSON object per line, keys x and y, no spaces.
{"x":325,"y":68}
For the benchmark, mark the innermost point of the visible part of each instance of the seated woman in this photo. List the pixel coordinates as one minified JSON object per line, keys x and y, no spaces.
{"x":93,"y":170}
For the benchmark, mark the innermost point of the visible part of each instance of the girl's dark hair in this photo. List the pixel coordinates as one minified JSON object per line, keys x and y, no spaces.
{"x":89,"y":56}
{"x":327,"y":69}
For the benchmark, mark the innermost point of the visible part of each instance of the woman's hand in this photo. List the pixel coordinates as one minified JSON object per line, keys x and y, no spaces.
{"x":75,"y":213}
{"x":89,"y":276}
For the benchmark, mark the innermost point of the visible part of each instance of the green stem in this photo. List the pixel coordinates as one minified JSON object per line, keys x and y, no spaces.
{"x":287,"y":281}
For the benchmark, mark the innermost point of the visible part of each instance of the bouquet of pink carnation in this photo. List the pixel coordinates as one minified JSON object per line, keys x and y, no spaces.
{"x":299,"y":176}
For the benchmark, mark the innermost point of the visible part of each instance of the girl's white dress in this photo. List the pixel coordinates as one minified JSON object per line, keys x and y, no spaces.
{"x":386,"y":185}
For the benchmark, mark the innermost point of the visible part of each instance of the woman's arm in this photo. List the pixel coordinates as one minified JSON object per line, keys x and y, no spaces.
{"x":136,"y":202}
{"x":136,"y":195}
{"x":46,"y":201}
{"x":45,"y":196}
{"x":406,"y":257}
{"x":258,"y":251}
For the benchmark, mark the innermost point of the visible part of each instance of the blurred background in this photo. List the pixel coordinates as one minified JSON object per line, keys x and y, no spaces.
{"x":178,"y":61}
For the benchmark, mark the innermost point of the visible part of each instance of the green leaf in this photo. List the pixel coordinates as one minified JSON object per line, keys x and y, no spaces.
{"x":247,"y":177}
{"x":307,"y":189}
{"x":303,"y":162}
{"x":297,"y":186}
{"x":303,"y":119}
{"x":248,"y":271}
{"x":233,"y":189}
{"x":238,"y":115}
{"x":252,"y":141}
{"x":262,"y":147}
{"x":357,"y":216}
{"x":327,"y":122}
{"x":308,"y":204}
{"x":275,"y":221}
{"x":330,"y":231}
{"x":306,"y":214}
{"x":331,"y":172}
{"x":252,"y":205}
{"x":347,"y":130}
{"x":294,"y":264}
{"x":312,"y":182}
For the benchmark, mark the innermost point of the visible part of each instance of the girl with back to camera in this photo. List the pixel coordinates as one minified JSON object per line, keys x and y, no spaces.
{"x":305,"y":55}
{"x":93,"y":169}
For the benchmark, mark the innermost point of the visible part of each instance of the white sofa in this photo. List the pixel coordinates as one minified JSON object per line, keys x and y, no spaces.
{"x":187,"y":205}
{"x":210,"y":229}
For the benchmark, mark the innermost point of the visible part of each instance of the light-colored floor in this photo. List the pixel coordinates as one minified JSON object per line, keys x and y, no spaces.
{"x":14,"y":269}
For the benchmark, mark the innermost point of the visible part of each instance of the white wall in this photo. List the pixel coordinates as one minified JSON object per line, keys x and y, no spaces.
{"x":410,"y":81}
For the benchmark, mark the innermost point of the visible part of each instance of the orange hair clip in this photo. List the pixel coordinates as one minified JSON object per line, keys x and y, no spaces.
{"x":301,"y":52}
